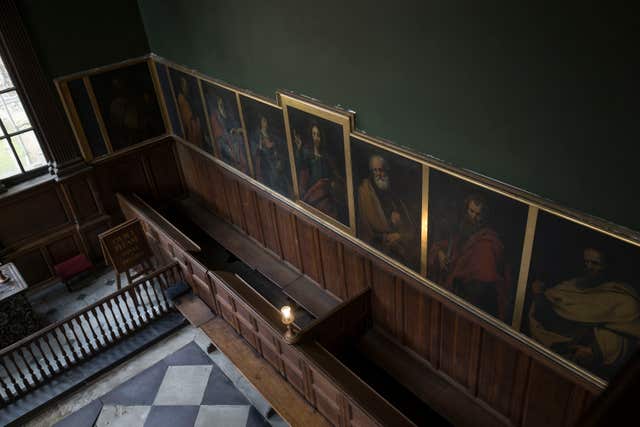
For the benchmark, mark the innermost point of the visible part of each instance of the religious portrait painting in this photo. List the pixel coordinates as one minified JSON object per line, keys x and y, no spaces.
{"x":83,"y":118}
{"x":226,"y":126}
{"x":128,"y":105}
{"x":475,"y":241}
{"x":170,"y":103}
{"x":190,"y":109}
{"x":388,"y":201}
{"x":319,"y":140}
{"x":268,"y":144}
{"x":583,"y":295}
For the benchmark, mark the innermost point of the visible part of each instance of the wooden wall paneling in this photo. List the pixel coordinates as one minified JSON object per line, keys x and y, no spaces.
{"x":266,"y":212}
{"x":187,"y":160}
{"x":384,"y":300}
{"x":81,"y":197}
{"x":309,"y":250}
{"x":293,"y":369}
{"x":33,"y":266}
{"x":250,"y":211}
{"x":354,"y":272}
{"x":324,"y":396}
{"x":269,"y":347}
{"x":203,"y":285}
{"x":331,"y":256}
{"x":447,"y":341}
{"x":90,"y":233}
{"x":498,"y":374}
{"x":201,"y":185}
{"x":520,"y":383}
{"x":246,"y":323}
{"x":416,"y":321}
{"x":579,"y":401}
{"x":164,"y":170}
{"x":124,"y":174}
{"x":435,"y":332}
{"x":288,"y":236}
{"x":146,"y":168}
{"x":355,"y":417}
{"x":235,"y":205}
{"x":215,"y":180}
{"x":475,"y":348}
{"x":547,"y":398}
{"x":32,"y":214}
{"x":64,"y":248}
{"x":462,"y":350}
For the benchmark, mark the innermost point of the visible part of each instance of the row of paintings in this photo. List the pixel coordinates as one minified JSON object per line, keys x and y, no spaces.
{"x":567,"y":285}
{"x":114,"y":108}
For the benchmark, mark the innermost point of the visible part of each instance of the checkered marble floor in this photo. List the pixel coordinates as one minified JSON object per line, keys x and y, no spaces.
{"x":185,"y":389}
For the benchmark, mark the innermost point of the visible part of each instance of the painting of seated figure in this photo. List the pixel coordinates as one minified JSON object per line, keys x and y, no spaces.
{"x":583,"y":299}
{"x":128,"y":105}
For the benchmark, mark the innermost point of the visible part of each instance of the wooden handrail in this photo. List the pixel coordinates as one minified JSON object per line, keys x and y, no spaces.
{"x":34,"y":360}
{"x":143,"y":209}
{"x":86,"y":309}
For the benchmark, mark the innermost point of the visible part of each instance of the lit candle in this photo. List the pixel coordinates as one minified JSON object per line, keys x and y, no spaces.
{"x":287,"y":315}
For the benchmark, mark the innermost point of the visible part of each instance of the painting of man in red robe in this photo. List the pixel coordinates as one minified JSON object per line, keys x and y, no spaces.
{"x":472,"y":258}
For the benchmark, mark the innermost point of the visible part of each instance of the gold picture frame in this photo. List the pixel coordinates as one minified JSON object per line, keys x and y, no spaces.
{"x":62,"y":86}
{"x":344,"y":119}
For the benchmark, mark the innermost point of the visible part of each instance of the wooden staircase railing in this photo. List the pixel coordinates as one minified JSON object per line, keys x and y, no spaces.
{"x":36,"y":359}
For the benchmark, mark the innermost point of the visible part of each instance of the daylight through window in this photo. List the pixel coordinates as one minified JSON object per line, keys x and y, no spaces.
{"x":20,"y":150}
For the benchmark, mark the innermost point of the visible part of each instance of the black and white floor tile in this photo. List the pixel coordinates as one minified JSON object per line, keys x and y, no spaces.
{"x":185,"y":389}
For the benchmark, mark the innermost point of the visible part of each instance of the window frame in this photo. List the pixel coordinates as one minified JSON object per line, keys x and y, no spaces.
{"x":24,"y":175}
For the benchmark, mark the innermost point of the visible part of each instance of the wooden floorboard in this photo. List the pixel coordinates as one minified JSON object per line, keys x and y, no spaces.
{"x":284,"y":399}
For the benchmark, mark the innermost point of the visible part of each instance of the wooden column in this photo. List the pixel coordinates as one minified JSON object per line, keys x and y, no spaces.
{"x":44,"y":110}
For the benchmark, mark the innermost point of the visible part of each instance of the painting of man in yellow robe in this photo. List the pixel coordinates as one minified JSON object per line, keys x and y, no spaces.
{"x":592,"y":318}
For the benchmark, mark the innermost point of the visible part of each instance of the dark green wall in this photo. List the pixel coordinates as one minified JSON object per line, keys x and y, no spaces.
{"x":75,"y":35}
{"x":542,"y":98}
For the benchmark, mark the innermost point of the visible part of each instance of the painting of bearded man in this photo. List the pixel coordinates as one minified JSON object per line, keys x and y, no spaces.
{"x":582,"y":300}
{"x":475,"y":243}
{"x":388,"y":202}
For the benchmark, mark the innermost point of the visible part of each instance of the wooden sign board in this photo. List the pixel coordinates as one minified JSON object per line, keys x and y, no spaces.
{"x":126,"y":245}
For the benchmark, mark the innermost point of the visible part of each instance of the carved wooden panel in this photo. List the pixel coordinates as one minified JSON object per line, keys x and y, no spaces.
{"x":235,"y":205}
{"x":384,"y":300}
{"x":33,"y":266}
{"x":416,"y":321}
{"x":32,"y":214}
{"x":164,"y":170}
{"x":82,"y":198}
{"x":355,"y":272}
{"x":288,"y":237}
{"x":324,"y":396}
{"x":332,"y":266}
{"x":63,"y":249}
{"x":309,"y":251}
{"x":266,"y":211}
{"x":251,"y":217}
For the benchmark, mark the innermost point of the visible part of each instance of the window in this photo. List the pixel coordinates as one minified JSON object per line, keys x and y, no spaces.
{"x":20,"y":152}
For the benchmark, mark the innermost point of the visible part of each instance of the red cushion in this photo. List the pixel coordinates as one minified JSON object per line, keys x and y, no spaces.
{"x":73,"y":266}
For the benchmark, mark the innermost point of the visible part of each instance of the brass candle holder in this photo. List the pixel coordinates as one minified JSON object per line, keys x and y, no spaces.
{"x":288,"y":318}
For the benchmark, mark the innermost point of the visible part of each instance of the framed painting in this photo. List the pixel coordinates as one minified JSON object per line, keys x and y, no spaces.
{"x":82,"y":116}
{"x":188,"y":99}
{"x":388,"y":200}
{"x":318,"y":137}
{"x":583,"y":295}
{"x":267,"y":138}
{"x":128,"y":105}
{"x":223,"y":114}
{"x":475,"y":243}
{"x":167,"y":95}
